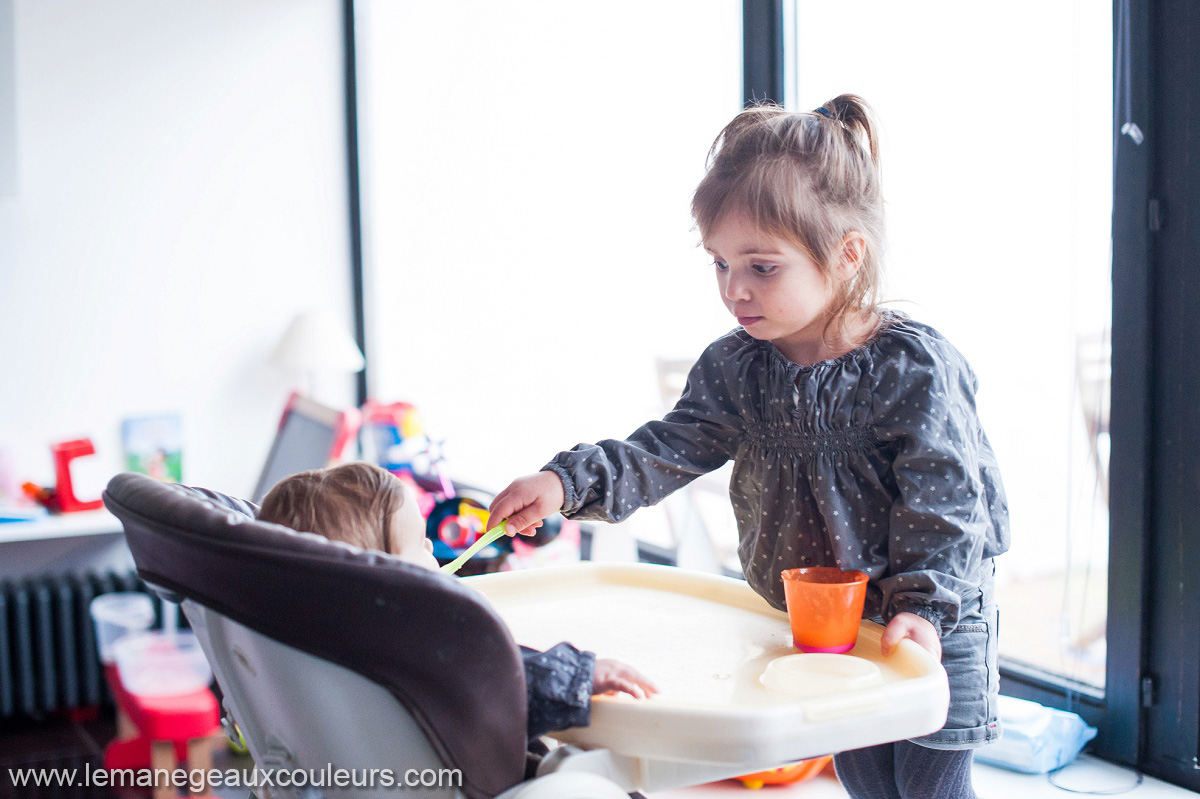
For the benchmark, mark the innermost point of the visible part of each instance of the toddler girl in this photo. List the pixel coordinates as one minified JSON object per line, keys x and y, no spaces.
{"x":852,"y":428}
{"x":371,"y":508}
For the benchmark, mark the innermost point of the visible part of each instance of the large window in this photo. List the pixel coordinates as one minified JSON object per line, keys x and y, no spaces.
{"x":529,"y":251}
{"x":531,"y":267}
{"x":997,"y":172}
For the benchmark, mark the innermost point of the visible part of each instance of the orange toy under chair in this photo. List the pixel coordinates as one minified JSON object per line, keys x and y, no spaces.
{"x":786,"y":775}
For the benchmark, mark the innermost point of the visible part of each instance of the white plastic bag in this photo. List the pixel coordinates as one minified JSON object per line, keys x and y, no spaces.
{"x":1035,"y":738}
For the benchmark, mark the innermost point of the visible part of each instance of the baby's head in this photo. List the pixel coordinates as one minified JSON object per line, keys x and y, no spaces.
{"x":358,"y":503}
{"x":808,"y":179}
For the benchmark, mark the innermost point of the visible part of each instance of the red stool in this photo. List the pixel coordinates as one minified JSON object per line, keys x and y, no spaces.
{"x":158,"y":732}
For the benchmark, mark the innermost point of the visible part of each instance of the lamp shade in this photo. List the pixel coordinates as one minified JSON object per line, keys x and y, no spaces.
{"x":315,"y":342}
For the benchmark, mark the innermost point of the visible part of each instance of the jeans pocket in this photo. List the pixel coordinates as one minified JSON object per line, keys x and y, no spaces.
{"x":968,"y":656}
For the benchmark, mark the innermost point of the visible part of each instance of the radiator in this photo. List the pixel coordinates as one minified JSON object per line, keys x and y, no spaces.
{"x":48,"y":656}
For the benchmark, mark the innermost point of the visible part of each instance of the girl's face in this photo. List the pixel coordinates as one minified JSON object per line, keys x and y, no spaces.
{"x":774,"y":289}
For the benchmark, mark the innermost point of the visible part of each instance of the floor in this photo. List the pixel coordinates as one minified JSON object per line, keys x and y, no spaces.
{"x":1086,"y":775}
{"x":76,"y":744}
{"x":73,"y":744}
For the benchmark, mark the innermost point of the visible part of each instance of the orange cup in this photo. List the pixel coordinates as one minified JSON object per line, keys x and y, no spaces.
{"x":825,"y":606}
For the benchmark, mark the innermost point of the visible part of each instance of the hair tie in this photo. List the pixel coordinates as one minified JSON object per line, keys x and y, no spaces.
{"x":823,"y":111}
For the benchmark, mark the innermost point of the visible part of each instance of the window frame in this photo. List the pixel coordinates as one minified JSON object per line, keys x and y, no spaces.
{"x":1150,"y":307}
{"x":1117,"y":710}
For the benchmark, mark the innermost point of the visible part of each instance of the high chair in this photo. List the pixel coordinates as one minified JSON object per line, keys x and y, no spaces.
{"x":332,"y":658}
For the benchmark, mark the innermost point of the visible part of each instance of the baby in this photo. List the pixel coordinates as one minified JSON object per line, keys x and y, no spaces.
{"x":369,"y":507}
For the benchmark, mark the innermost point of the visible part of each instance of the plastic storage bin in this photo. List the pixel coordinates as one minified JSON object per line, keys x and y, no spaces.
{"x":117,"y":615}
{"x":161,"y":664}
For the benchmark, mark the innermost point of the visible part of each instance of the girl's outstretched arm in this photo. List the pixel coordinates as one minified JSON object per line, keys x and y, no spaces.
{"x":611,"y":479}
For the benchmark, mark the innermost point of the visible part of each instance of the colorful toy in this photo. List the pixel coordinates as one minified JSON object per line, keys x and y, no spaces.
{"x":483,"y":541}
{"x":455,"y":525}
{"x":385,"y":429}
{"x":166,"y":713}
{"x":65,"y":452}
{"x":42,"y":495}
{"x":393,"y":436}
{"x":157,"y":732}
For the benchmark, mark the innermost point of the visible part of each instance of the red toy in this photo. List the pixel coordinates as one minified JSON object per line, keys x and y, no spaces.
{"x":159,"y":732}
{"x":64,"y":453}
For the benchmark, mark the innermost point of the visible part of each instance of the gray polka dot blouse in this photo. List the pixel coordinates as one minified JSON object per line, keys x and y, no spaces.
{"x":875,"y":460}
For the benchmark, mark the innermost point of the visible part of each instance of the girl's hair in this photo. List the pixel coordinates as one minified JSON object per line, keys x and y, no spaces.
{"x":354,"y":502}
{"x":808,"y":178}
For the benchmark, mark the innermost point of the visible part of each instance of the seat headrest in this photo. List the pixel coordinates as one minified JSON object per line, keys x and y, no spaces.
{"x":435,"y":644}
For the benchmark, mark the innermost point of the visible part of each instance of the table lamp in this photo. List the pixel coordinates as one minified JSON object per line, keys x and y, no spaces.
{"x":314,"y":343}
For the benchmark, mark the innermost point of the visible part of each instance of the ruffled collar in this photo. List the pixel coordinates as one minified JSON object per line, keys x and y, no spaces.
{"x":888,"y":319}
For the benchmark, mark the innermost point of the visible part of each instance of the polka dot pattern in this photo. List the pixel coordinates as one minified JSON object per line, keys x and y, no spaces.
{"x":875,"y":460}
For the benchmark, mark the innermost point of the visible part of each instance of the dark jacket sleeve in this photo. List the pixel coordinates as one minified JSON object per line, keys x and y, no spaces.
{"x":559,"y":686}
{"x":950,"y":511}
{"x":611,"y":479}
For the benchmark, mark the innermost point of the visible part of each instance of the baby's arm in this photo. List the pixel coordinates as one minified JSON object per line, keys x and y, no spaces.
{"x":613,"y":676}
{"x":558,"y":687}
{"x":559,"y":684}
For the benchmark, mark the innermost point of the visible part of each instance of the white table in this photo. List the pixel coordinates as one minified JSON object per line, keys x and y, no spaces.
{"x":68,"y":542}
{"x":705,"y":641}
{"x":63,"y":525}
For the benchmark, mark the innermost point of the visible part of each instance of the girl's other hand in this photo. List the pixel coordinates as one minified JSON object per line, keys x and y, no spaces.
{"x":527,"y":501}
{"x":910,"y":625}
{"x":613,"y":675}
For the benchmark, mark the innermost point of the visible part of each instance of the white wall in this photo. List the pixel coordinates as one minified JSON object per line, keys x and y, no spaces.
{"x":181,"y":194}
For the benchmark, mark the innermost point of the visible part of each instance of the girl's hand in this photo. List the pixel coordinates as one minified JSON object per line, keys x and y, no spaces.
{"x":613,"y":675}
{"x":910,"y":625}
{"x":527,"y":501}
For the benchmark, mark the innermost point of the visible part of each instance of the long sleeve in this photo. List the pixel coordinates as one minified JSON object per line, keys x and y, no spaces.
{"x":558,"y":683}
{"x":950,"y":512}
{"x":611,"y":479}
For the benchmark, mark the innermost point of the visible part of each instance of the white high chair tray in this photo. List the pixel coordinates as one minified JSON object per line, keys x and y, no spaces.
{"x":705,"y":641}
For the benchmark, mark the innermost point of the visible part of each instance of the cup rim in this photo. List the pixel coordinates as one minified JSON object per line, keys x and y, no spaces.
{"x":852,"y":576}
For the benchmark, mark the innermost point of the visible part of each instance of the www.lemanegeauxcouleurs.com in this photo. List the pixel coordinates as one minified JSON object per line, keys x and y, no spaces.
{"x":197,"y":779}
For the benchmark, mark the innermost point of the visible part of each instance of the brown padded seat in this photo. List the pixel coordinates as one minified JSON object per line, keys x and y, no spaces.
{"x":434,"y":644}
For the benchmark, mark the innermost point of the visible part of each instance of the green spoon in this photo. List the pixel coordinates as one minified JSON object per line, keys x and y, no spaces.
{"x":484,"y":540}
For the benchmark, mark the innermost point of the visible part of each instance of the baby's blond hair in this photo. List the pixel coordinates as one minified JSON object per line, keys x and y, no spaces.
{"x":353,"y":502}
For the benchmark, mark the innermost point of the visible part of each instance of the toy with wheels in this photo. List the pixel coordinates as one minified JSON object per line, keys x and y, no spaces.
{"x":455,"y":514}
{"x":455,"y":524}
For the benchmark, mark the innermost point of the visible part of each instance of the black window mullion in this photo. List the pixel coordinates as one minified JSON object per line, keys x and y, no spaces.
{"x":1131,"y":406}
{"x":762,"y":51}
{"x":1172,"y":738}
{"x":354,"y":194}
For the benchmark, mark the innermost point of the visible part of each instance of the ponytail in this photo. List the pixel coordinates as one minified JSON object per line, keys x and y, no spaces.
{"x":853,"y":112}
